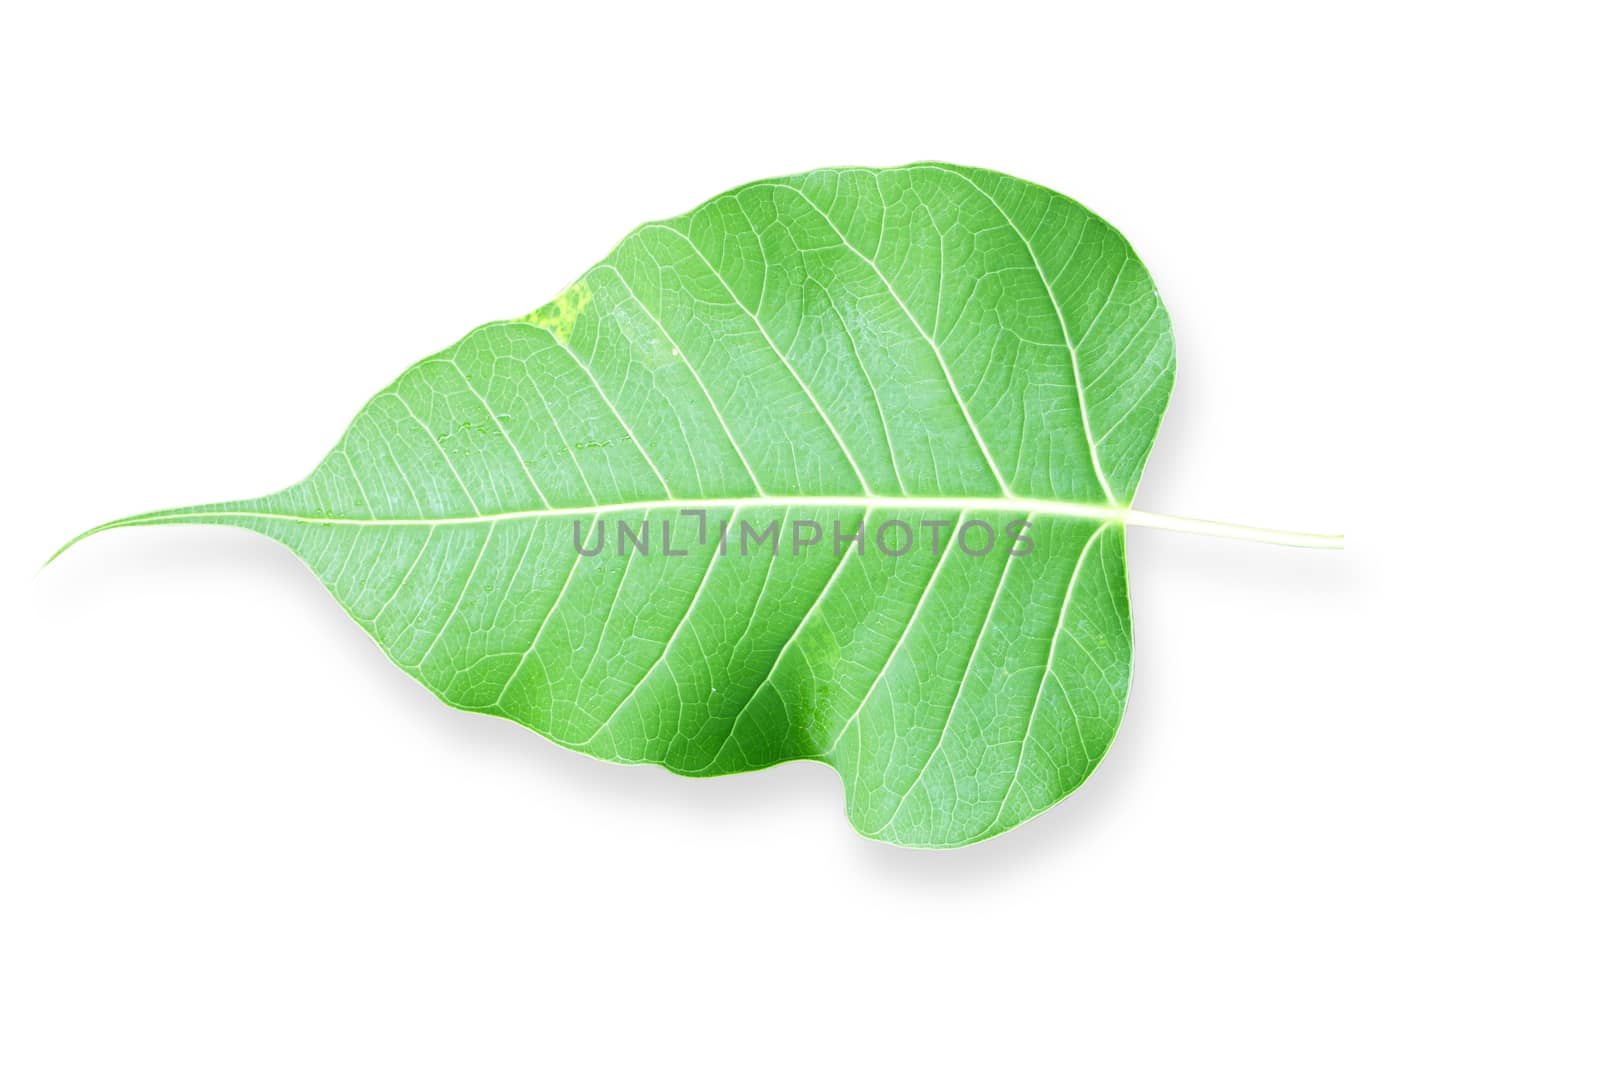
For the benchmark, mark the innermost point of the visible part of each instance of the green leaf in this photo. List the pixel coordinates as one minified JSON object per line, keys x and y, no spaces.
{"x":888,"y":350}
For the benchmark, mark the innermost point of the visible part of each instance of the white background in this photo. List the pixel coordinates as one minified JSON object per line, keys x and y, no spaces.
{"x":1350,"y":817}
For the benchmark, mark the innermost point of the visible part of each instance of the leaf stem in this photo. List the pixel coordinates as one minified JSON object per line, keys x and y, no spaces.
{"x":1135,"y":517}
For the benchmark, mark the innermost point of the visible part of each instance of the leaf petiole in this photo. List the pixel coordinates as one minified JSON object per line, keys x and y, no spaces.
{"x":1295,"y":539}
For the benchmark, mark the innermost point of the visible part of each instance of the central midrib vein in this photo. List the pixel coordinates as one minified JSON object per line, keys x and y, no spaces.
{"x":1102,"y":512}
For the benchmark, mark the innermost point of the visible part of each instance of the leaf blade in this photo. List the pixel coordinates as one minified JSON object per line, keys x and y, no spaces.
{"x":998,"y":355}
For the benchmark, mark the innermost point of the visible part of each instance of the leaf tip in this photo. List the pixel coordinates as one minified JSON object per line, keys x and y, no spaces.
{"x":146,"y":519}
{"x":58,"y":552}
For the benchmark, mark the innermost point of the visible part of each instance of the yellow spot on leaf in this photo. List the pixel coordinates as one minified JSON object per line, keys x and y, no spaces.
{"x":561,"y":314}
